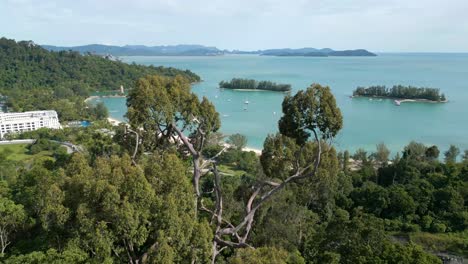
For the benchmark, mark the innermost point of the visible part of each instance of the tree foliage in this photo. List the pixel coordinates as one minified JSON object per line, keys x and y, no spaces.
{"x":401,"y":92}
{"x":250,"y":84}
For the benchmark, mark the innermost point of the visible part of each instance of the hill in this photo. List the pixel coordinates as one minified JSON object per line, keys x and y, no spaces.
{"x":311,"y":52}
{"x":33,"y":78}
{"x":200,"y":50}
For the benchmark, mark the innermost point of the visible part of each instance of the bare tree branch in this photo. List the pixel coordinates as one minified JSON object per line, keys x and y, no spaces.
{"x":254,"y":203}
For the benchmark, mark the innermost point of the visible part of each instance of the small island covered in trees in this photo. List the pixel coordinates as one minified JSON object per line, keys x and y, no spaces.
{"x":402,"y":93}
{"x":250,"y":84}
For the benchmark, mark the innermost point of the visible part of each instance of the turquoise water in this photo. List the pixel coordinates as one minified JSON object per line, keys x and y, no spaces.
{"x":366,"y":123}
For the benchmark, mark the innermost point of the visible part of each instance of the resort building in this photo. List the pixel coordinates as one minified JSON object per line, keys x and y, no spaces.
{"x":27,"y":121}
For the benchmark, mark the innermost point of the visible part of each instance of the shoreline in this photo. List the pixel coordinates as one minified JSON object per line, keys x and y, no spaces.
{"x":258,"y":152}
{"x":114,"y":121}
{"x":92,"y":97}
{"x":401,"y":100}
{"x":254,"y":90}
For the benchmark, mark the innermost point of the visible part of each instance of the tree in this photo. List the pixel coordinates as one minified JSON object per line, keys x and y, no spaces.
{"x":12,"y":218}
{"x":382,"y":153}
{"x":286,"y":158}
{"x":414,"y":150}
{"x":311,"y":111}
{"x":361,"y":155}
{"x":238,"y":141}
{"x":432,"y":153}
{"x":345,"y":161}
{"x":465,"y":156}
{"x":451,"y":154}
{"x":100,"y":111}
{"x":162,"y":109}
{"x":145,"y":214}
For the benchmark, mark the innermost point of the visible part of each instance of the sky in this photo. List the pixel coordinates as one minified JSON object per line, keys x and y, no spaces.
{"x":376,"y":25}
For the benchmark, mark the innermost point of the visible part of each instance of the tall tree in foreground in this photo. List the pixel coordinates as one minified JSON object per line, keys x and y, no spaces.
{"x":12,"y":217}
{"x":163,"y":111}
{"x":286,"y":158}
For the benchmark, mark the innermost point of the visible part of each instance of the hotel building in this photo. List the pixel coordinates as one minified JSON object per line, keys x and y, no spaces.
{"x":27,"y":121}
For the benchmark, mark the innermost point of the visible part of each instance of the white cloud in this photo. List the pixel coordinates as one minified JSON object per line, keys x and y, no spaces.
{"x":391,"y":25}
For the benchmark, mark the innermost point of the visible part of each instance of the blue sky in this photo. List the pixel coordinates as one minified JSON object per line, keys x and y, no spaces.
{"x":377,"y":25}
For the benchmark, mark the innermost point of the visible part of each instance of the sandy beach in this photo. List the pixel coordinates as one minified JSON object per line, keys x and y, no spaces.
{"x":91,"y":98}
{"x":401,"y":100}
{"x":257,"y":151}
{"x":103,"y":96}
{"x":114,"y":121}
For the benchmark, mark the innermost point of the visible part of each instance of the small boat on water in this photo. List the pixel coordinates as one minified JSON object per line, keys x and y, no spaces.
{"x":225,"y":115}
{"x":246,"y":102}
{"x":229,"y":100}
{"x":398,"y":103}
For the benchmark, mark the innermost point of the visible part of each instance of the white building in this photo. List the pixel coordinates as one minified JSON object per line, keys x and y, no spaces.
{"x":27,"y":121}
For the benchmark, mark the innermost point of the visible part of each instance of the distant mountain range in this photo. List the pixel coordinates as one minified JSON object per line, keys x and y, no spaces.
{"x":199,"y":50}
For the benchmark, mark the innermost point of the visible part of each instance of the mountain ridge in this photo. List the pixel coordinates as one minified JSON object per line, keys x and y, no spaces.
{"x":200,"y":50}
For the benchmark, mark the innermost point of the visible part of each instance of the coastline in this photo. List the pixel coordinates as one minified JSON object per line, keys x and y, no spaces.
{"x":254,"y":90}
{"x":401,"y":100}
{"x":92,"y":97}
{"x":114,"y":121}
{"x":258,"y":152}
{"x":249,"y":90}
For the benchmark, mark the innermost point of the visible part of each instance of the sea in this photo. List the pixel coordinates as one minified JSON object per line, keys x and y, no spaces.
{"x":367,"y":122}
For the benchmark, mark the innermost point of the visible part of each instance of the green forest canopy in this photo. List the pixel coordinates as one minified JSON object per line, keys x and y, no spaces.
{"x":33,"y":78}
{"x":104,"y":206}
{"x":238,"y":83}
{"x":401,"y":92}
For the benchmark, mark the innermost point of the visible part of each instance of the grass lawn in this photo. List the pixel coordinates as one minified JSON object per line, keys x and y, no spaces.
{"x":15,"y":152}
{"x":230,"y":170}
{"x":445,"y":242}
{"x":20,"y":152}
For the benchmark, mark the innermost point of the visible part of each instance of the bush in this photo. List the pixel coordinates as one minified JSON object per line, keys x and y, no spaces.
{"x":438,"y":227}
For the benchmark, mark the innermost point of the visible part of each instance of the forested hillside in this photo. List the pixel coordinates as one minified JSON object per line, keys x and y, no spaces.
{"x":34,"y":78}
{"x":143,"y":197}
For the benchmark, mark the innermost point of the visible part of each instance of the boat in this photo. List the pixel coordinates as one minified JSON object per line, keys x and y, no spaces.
{"x":225,"y":115}
{"x":246,"y":102}
{"x":398,"y":103}
{"x":229,"y":100}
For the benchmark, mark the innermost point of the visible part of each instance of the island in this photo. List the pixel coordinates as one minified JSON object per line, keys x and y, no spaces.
{"x":402,"y":93}
{"x":250,"y":84}
{"x":311,"y":52}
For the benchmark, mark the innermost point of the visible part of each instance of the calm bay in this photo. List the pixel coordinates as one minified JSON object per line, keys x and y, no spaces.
{"x":366,"y":122}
